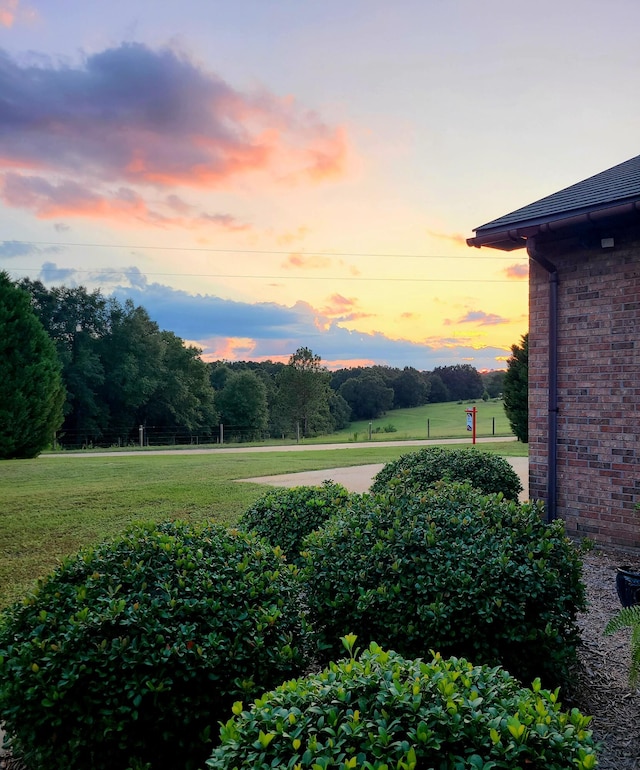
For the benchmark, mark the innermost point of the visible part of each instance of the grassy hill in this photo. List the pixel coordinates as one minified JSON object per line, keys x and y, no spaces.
{"x":447,"y":420}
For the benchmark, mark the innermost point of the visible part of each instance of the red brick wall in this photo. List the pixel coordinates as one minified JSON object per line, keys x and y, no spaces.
{"x":598,"y":473}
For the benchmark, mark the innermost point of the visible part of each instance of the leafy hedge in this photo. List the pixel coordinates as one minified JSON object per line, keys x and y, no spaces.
{"x":382,"y":712}
{"x":420,"y":470}
{"x":130,"y":653}
{"x":285,"y":517}
{"x":453,"y":571}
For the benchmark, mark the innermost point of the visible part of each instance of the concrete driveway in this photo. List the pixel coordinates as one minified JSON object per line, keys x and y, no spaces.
{"x":358,"y":478}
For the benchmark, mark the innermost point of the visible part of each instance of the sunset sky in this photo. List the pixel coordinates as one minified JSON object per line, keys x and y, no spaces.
{"x":262,"y":175}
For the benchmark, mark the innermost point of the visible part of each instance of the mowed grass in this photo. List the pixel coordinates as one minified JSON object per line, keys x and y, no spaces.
{"x":53,"y":506}
{"x":433,"y":421}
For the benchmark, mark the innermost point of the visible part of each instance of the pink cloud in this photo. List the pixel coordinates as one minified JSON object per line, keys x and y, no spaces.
{"x":348,"y":363}
{"x":8,"y":12}
{"x":327,"y":158}
{"x":299,"y":234}
{"x":481,"y":318}
{"x":339,"y":304}
{"x":125,"y":205}
{"x":135,"y":117}
{"x":176,"y":203}
{"x":339,"y":309}
{"x":225,"y":221}
{"x":306,"y":262}
{"x":452,"y":237}
{"x":439,"y":343}
{"x":228,"y":348}
{"x":518,"y":272}
{"x":68,"y":198}
{"x":301,"y":261}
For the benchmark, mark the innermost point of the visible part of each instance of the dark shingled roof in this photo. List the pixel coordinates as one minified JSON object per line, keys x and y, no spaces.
{"x":613,"y":187}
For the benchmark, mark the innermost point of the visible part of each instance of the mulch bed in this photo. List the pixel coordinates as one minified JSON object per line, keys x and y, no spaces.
{"x":601,"y":683}
{"x":601,"y":686}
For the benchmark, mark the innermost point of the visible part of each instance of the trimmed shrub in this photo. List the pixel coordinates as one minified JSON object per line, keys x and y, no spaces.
{"x":285,"y":517}
{"x":453,"y":571}
{"x":420,"y":470}
{"x":382,"y":712}
{"x":130,"y":653}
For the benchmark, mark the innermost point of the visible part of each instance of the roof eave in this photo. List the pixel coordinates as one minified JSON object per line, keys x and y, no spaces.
{"x":515,"y":235}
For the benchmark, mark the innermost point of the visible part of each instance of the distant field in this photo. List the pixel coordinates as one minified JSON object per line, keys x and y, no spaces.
{"x":53,"y":506}
{"x":434,"y":421}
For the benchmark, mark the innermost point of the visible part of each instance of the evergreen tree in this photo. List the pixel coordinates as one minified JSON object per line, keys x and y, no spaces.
{"x":516,"y":390}
{"x":31,"y":389}
{"x":76,"y":320}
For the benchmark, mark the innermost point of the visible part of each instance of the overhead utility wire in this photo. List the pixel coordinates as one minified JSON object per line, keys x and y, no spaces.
{"x":259,"y":251}
{"x":281,"y":277}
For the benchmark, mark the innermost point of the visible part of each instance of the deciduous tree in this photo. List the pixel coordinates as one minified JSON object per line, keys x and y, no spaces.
{"x":303,"y":388}
{"x":494,"y":382}
{"x":410,"y":388}
{"x":367,"y":395}
{"x":438,"y":391}
{"x":463,"y":381}
{"x":243,"y":405}
{"x":184,"y":397}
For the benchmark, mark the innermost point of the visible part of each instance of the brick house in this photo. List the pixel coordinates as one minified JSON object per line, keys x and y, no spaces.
{"x":584,"y":350}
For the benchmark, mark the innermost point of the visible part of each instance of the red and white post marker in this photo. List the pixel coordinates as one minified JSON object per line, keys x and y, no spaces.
{"x":471,"y":422}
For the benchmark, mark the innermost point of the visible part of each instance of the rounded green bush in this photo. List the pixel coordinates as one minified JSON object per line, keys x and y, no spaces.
{"x":285,"y":517}
{"x":130,"y":653}
{"x":453,"y":571}
{"x":420,"y":470}
{"x":381,"y":712}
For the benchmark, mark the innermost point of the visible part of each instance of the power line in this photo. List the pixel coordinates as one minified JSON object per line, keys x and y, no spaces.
{"x":473,"y":256}
{"x":360,"y":278}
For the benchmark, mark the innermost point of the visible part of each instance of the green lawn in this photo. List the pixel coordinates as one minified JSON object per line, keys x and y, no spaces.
{"x":52,"y":506}
{"x":435,"y":421}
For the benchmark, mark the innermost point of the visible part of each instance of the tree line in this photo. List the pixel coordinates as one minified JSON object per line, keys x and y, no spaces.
{"x":113,"y":370}
{"x":304,"y":398}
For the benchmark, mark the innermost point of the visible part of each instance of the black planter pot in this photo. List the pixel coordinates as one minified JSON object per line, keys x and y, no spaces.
{"x":628,"y":586}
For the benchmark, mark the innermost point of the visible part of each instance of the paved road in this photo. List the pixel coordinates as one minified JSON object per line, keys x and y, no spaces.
{"x":287,"y":448}
{"x":355,"y":478}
